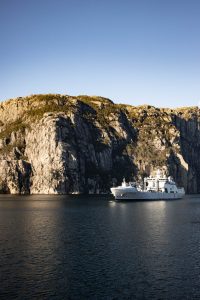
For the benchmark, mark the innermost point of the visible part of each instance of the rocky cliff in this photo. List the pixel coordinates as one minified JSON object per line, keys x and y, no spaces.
{"x":55,"y":144}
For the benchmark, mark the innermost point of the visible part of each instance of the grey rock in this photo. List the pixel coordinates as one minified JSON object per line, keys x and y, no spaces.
{"x":58,"y":144}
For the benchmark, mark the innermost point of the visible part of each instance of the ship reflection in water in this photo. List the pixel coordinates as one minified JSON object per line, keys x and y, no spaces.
{"x":61,"y":247}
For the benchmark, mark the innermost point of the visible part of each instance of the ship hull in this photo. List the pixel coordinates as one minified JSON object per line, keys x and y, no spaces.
{"x":121,"y":195}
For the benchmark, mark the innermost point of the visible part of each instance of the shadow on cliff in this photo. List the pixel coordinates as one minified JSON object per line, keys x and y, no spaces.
{"x":190,"y":150}
{"x":95,"y":156}
{"x":177,"y":171}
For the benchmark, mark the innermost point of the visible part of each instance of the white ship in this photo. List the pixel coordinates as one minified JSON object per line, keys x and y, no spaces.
{"x":157,"y":187}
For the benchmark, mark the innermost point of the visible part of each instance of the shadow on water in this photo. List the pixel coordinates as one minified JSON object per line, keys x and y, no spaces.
{"x":93,"y":247}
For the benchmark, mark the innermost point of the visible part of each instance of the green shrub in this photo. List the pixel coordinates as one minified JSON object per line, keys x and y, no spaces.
{"x":15,"y":126}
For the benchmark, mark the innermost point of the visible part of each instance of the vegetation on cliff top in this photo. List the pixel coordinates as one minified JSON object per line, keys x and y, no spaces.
{"x":15,"y":126}
{"x":154,"y":126}
{"x":136,"y":138}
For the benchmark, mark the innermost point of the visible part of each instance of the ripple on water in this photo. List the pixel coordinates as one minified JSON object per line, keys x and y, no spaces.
{"x":84,"y":248}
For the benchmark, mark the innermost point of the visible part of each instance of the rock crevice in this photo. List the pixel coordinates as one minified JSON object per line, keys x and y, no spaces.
{"x":55,"y":144}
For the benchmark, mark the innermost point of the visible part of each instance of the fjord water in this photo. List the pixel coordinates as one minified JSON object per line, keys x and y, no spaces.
{"x":61,"y":247}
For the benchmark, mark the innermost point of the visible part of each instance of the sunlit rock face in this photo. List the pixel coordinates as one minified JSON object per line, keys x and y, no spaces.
{"x":55,"y":144}
{"x":15,"y":176}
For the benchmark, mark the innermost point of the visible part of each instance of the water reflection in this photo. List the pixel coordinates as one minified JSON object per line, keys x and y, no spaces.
{"x":94,"y":248}
{"x":32,"y":237}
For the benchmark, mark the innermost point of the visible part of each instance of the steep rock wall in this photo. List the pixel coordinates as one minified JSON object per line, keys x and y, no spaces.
{"x":54,"y":144}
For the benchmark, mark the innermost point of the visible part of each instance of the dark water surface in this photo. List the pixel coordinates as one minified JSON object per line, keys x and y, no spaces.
{"x":61,"y":247}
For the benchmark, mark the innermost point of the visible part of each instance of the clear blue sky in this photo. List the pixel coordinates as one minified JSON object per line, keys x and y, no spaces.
{"x":136,"y":52}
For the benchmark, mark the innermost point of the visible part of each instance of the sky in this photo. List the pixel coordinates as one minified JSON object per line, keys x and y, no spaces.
{"x":131,"y":51}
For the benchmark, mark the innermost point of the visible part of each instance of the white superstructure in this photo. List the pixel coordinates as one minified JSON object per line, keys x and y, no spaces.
{"x":156,"y":187}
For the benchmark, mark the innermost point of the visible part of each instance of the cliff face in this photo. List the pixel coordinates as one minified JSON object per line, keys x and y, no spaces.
{"x":61,"y":144}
